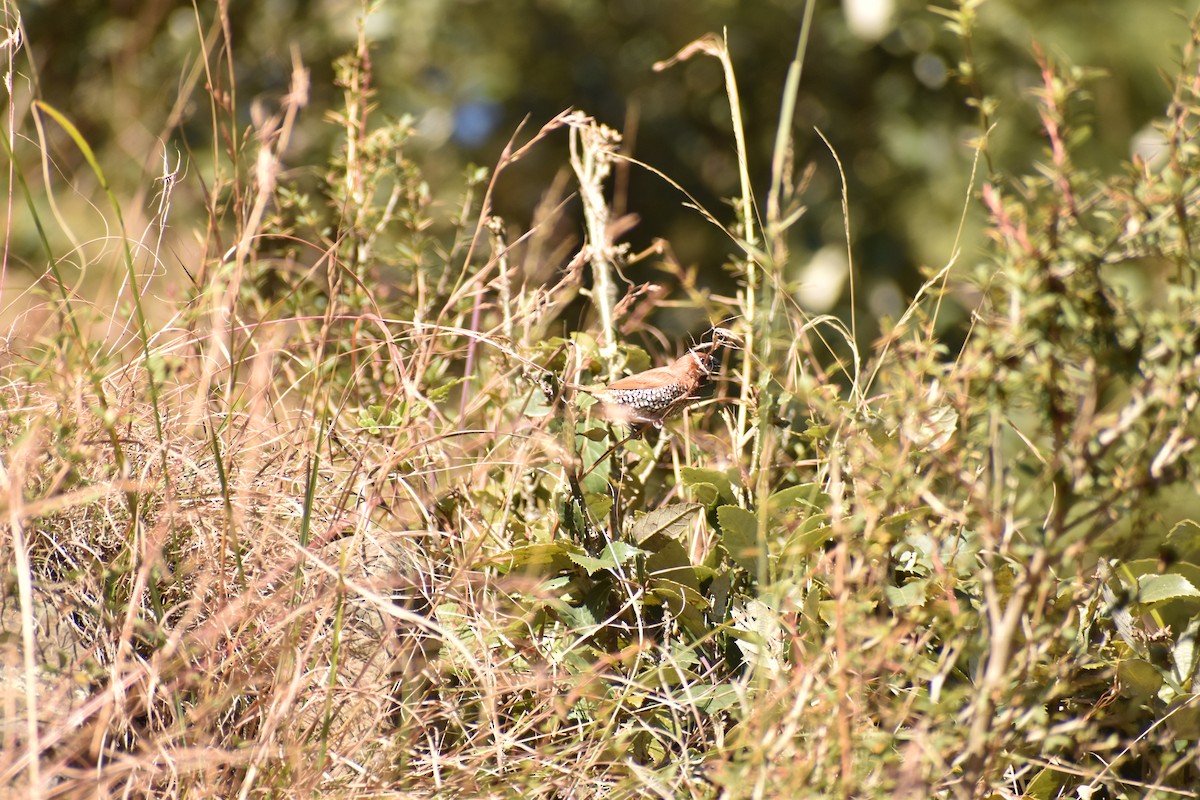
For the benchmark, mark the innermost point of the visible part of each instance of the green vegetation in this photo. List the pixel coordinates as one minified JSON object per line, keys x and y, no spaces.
{"x":299,"y":499}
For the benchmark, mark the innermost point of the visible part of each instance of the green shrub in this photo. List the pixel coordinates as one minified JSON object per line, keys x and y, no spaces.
{"x":339,"y":518}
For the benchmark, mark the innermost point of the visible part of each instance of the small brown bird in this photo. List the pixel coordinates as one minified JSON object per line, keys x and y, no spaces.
{"x":656,"y":394}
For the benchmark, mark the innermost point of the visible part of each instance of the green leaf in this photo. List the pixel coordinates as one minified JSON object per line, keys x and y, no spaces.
{"x":650,"y":683}
{"x":586,"y":344}
{"x":1046,"y":784}
{"x":1183,"y":717}
{"x":80,"y":142}
{"x":712,"y":697}
{"x":705,"y":494}
{"x":592,"y":565}
{"x":684,"y":602}
{"x":829,"y":613}
{"x":908,"y":595}
{"x":1138,"y":678}
{"x":816,"y":433}
{"x":640,"y":450}
{"x":452,"y":616}
{"x":1140,"y":567}
{"x":594,"y":434}
{"x":1160,"y":588}
{"x":636,"y":359}
{"x":697,"y":476}
{"x":1183,"y":654}
{"x":672,"y":563}
{"x":811,"y":534}
{"x":580,"y":617}
{"x":739,"y":534}
{"x":613,"y":555}
{"x":670,"y":521}
{"x":439,"y":393}
{"x":554,"y":346}
{"x":590,"y":451}
{"x":599,"y":505}
{"x":675,"y":595}
{"x":533,"y":557}
{"x":806,"y":495}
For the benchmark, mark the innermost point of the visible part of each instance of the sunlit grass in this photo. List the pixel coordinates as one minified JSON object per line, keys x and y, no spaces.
{"x":329,"y":518}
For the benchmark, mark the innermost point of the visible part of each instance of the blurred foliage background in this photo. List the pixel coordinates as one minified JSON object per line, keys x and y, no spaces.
{"x":879,"y":81}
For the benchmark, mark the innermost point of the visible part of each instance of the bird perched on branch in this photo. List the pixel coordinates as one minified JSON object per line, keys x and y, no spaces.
{"x":652,"y":396}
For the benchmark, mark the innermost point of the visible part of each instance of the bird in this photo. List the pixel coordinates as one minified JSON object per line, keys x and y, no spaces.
{"x":653,"y":396}
{"x":649,"y":398}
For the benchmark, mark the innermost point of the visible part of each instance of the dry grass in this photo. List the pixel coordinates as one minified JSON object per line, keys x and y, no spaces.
{"x":323,"y":521}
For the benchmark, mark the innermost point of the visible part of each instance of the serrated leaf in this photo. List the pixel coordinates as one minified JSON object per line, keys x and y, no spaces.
{"x":739,"y":534}
{"x":1139,"y":567}
{"x":1160,"y":588}
{"x":613,"y":555}
{"x":591,"y":565}
{"x":670,"y":521}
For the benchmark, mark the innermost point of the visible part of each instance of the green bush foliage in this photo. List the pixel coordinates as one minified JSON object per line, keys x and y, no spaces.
{"x":338,"y":519}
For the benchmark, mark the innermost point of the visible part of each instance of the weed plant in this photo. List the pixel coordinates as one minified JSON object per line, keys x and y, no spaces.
{"x":309,"y":507}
